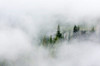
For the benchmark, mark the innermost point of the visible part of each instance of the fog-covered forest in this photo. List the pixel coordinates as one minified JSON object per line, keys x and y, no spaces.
{"x":77,"y":32}
{"x":49,"y":32}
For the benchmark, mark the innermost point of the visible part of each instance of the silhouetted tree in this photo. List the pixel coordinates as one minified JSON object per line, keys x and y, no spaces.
{"x":58,"y":34}
{"x":76,"y":29}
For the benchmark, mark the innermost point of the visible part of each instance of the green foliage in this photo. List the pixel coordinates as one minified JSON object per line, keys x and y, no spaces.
{"x":76,"y":29}
{"x":55,"y":39}
{"x":58,"y":34}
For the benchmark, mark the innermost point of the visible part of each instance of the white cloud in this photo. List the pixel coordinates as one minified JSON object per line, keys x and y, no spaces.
{"x":22,"y":20}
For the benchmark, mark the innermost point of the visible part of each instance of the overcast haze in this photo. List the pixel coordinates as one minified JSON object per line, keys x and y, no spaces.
{"x":22,"y":22}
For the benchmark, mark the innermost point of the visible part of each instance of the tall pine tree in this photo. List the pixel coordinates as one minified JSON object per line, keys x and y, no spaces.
{"x":58,"y":34}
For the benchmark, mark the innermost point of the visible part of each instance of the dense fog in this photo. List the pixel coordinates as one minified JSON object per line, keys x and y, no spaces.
{"x":23,"y":23}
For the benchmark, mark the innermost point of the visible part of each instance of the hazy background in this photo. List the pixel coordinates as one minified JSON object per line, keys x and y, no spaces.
{"x":23,"y":21}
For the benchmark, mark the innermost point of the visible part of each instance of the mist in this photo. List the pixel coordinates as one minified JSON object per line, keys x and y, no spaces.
{"x":24,"y":22}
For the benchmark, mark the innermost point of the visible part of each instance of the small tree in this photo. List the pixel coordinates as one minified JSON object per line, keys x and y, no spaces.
{"x":58,"y":34}
{"x":76,"y":29}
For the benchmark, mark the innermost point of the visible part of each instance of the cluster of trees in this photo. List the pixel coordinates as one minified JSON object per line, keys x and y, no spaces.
{"x":52,"y":40}
{"x":59,"y":36}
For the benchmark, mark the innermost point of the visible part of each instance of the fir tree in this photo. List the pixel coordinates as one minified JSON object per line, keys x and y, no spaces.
{"x":58,"y":34}
{"x":76,"y":29}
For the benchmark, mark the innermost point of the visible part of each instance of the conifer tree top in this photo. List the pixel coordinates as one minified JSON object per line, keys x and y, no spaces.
{"x":58,"y":34}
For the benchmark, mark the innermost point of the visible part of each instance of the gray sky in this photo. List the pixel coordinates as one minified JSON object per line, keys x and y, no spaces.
{"x":73,"y":9}
{"x":79,"y":7}
{"x":20,"y":24}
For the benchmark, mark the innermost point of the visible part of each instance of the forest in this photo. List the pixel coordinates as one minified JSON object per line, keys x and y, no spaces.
{"x":77,"y":32}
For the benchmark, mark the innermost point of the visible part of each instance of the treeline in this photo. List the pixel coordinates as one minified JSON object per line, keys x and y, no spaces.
{"x":58,"y":37}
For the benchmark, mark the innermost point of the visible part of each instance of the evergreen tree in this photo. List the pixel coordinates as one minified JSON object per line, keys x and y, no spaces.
{"x":76,"y":29}
{"x":58,"y":34}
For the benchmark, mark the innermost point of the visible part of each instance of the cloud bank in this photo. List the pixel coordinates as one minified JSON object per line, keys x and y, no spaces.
{"x":22,"y":22}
